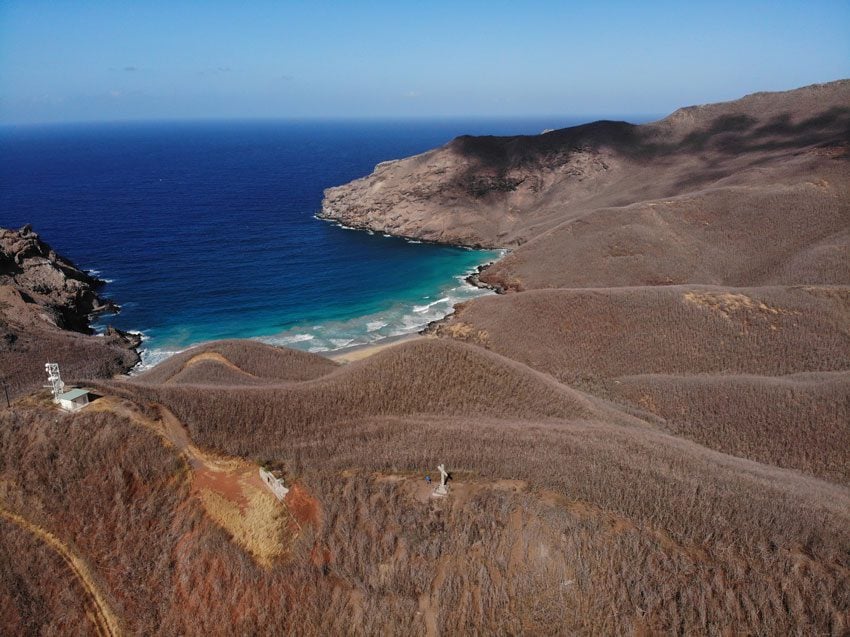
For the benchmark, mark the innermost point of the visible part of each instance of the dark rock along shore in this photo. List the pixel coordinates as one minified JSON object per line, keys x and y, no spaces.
{"x":46,"y":307}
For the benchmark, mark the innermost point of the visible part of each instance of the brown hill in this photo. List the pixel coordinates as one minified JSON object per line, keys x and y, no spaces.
{"x":240,"y":360}
{"x":797,"y":421}
{"x":503,"y":191}
{"x":432,"y":377}
{"x":46,"y":303}
{"x":635,"y":445}
{"x":584,"y":334}
{"x":553,"y":516}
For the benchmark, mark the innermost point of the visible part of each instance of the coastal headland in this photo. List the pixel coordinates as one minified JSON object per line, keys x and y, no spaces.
{"x":46,"y":307}
{"x":646,"y":430}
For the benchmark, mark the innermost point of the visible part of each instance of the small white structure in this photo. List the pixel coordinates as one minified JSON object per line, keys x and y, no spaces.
{"x":55,"y":379}
{"x":274,"y":484}
{"x":74,"y":399}
{"x":442,"y":488}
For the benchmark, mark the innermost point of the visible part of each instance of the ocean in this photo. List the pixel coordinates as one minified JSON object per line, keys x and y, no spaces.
{"x":206,"y":230}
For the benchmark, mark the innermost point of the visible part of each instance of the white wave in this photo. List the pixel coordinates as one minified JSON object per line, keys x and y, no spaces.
{"x":339,"y":343}
{"x":152,"y":358}
{"x":424,"y":308}
{"x":399,"y":319}
{"x":294,"y":338}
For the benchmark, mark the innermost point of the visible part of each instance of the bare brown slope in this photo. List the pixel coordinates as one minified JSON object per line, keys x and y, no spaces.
{"x":771,"y":225}
{"x":110,"y":492}
{"x":500,"y":191}
{"x":648,"y":516}
{"x":582,"y":335}
{"x":422,"y":377}
{"x":798,"y":421}
{"x":563,"y":514}
{"x":39,"y":594}
{"x":45,"y":306}
{"x":550,"y":527}
{"x":251,"y":357}
{"x":209,"y":371}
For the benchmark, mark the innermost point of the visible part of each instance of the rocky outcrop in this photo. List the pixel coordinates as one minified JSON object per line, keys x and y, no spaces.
{"x":46,"y":306}
{"x":505,"y":191}
{"x":66,"y":294}
{"x":475,"y":191}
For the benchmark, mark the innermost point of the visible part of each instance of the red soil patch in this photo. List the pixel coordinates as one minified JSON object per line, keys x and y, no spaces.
{"x":228,"y":484}
{"x":304,"y":508}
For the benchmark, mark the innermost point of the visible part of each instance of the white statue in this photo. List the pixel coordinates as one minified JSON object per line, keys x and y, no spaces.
{"x":442,"y":488}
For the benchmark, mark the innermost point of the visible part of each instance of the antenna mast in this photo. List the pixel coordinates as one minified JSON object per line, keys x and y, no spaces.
{"x":55,"y":379}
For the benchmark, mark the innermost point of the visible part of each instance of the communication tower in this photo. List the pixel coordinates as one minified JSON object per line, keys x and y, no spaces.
{"x":55,"y":379}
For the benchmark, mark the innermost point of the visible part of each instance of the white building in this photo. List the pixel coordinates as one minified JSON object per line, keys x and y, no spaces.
{"x":74,"y":399}
{"x":274,"y":484}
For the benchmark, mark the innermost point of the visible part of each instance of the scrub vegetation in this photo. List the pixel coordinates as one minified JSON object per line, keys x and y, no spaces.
{"x":646,"y":434}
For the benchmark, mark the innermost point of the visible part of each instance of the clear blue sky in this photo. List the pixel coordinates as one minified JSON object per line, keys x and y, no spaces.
{"x":72,"y":61}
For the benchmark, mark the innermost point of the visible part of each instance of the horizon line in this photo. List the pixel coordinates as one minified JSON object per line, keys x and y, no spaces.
{"x":587,"y":117}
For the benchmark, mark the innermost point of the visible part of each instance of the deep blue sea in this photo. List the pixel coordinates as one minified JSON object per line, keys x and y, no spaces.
{"x":206,"y":230}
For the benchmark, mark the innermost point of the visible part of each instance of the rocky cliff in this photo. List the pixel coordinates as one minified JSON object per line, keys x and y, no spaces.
{"x":46,"y":304}
{"x":505,"y":191}
{"x":66,"y":295}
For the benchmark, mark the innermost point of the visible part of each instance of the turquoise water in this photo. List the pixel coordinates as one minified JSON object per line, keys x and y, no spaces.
{"x":207,"y":230}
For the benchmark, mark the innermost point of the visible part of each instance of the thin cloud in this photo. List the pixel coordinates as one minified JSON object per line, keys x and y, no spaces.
{"x":217,"y":70}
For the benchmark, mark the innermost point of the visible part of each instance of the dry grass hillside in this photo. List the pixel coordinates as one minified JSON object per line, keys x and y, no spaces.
{"x":798,"y":421}
{"x":413,"y":378}
{"x":764,"y":226}
{"x":579,"y":335}
{"x":505,"y":191}
{"x":46,"y":305}
{"x":647,"y":434}
{"x":560,"y":509}
{"x":244,"y":358}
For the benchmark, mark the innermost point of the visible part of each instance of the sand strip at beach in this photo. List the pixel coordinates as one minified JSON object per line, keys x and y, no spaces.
{"x":359,"y":352}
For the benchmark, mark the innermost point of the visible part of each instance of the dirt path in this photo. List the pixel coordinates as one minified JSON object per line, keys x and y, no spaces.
{"x":230,"y":488}
{"x":214,"y":357}
{"x":104,"y":619}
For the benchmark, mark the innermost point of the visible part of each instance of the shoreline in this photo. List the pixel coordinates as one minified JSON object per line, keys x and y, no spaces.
{"x":451,"y":244}
{"x":359,"y":352}
{"x":346,"y":353}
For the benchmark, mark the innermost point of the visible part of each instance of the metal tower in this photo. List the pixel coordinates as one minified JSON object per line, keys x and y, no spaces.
{"x":55,"y":379}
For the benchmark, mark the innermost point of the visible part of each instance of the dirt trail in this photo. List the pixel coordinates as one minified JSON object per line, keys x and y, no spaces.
{"x":104,"y":619}
{"x":230,"y":488}
{"x":216,"y":358}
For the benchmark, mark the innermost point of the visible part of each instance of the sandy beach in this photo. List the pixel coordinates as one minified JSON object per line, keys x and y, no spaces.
{"x":359,"y":352}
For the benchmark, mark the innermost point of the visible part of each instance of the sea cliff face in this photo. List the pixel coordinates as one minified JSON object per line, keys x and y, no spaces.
{"x":505,"y":191}
{"x":46,"y":304}
{"x":66,"y":294}
{"x":475,"y":191}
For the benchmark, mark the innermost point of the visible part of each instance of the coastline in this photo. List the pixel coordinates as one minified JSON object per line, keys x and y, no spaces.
{"x":406,"y":321}
{"x":359,"y":352}
{"x":334,"y":221}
